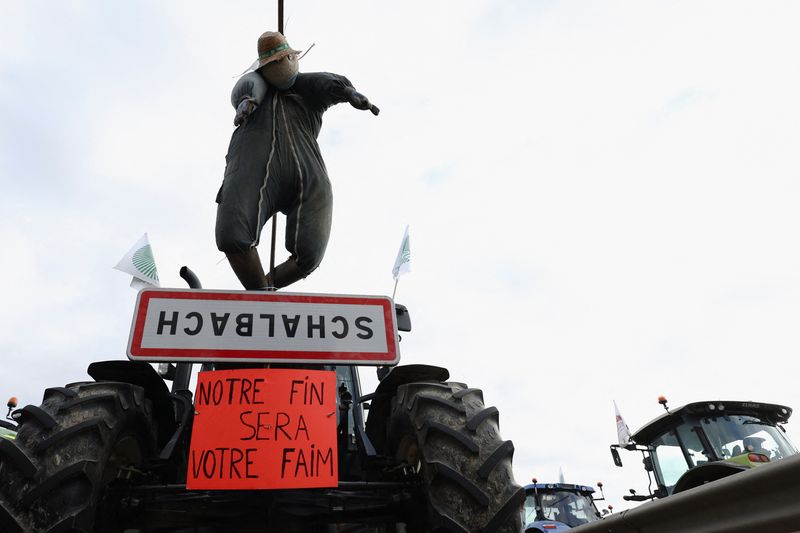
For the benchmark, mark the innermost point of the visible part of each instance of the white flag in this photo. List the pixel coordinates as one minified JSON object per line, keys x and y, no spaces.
{"x":140,"y":264}
{"x":403,"y":262}
{"x":623,"y":433}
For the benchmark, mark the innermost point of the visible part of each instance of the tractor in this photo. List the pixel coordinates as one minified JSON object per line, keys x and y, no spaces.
{"x":701,"y":442}
{"x":8,"y":427}
{"x":554,"y":507}
{"x":117,"y":453}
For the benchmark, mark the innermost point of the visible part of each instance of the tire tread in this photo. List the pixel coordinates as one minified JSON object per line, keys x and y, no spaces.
{"x":465,"y":466}
{"x":56,"y":467}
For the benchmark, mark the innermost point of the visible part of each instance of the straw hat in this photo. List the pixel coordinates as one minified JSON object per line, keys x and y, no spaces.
{"x":272,"y":46}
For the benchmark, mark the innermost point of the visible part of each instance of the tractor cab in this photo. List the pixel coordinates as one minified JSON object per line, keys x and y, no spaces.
{"x":705,"y":441}
{"x":554,"y":507}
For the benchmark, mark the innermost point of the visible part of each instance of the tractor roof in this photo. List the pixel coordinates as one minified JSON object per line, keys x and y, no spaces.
{"x":769,"y":412}
{"x":545,"y":487}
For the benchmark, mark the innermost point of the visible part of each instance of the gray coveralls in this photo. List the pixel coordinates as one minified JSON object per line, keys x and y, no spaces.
{"x":274,"y":164}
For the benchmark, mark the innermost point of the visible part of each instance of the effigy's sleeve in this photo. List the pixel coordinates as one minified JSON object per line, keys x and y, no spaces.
{"x":324,"y":89}
{"x":251,"y":85}
{"x":247,"y":95}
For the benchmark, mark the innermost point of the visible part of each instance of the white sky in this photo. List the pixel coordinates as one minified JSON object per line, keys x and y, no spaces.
{"x":602,"y":195}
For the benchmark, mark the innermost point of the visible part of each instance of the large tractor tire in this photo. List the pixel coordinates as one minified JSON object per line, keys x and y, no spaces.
{"x":82,"y":438}
{"x":444,"y":433}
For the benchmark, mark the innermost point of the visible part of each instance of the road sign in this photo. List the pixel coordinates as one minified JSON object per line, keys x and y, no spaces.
{"x":257,"y":326}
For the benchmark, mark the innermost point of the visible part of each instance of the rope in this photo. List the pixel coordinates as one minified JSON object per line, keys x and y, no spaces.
{"x":266,"y":177}
{"x":300,"y":175}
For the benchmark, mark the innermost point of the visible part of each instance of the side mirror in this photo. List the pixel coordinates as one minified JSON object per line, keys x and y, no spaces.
{"x":648,"y":463}
{"x":403,"y":317}
{"x":615,"y":457}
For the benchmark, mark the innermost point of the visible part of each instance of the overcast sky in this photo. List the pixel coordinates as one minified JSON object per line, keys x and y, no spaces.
{"x":602,"y":195}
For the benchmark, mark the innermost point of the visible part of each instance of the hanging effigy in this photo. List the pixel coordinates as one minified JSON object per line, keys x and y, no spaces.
{"x":274,"y":164}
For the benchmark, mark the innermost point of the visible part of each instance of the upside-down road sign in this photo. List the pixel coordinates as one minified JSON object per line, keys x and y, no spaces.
{"x":254,"y":326}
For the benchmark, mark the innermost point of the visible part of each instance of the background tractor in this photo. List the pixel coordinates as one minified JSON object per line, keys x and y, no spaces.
{"x":8,"y":427}
{"x":554,"y":507}
{"x":705,"y":441}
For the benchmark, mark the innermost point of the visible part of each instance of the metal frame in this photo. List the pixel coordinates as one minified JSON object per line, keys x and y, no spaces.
{"x":760,"y":499}
{"x":392,"y":499}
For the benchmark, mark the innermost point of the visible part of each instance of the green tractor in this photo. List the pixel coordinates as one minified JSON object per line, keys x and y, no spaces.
{"x":704,"y":441}
{"x":8,"y":427}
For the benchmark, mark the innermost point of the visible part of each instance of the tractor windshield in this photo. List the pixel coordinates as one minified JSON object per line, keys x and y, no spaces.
{"x":737,"y":434}
{"x":570,"y":508}
{"x":682,"y":448}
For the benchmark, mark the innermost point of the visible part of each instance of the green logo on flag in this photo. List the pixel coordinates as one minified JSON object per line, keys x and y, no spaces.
{"x":144,"y":261}
{"x":403,"y":262}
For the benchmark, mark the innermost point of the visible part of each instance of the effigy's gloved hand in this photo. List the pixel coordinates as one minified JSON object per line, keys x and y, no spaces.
{"x":359,"y":101}
{"x":244,"y":110}
{"x":246,"y":95}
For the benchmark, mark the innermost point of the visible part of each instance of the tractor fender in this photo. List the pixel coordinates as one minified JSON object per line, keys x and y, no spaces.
{"x":143,"y":375}
{"x":380,"y":400}
{"x":706,"y":473}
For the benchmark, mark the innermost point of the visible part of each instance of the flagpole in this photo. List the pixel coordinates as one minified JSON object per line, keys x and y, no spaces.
{"x":275,"y":216}
{"x":395,"y":287}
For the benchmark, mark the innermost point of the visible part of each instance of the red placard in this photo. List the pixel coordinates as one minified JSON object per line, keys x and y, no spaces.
{"x":264,"y":429}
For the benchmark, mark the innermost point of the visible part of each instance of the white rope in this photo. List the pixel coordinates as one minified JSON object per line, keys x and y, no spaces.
{"x":300,"y":174}
{"x":266,"y":177}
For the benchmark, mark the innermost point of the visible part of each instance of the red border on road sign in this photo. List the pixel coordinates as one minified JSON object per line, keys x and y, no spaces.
{"x":137,"y":352}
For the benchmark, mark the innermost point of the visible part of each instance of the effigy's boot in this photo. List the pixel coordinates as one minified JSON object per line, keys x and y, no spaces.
{"x":247,"y":267}
{"x":285,"y":274}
